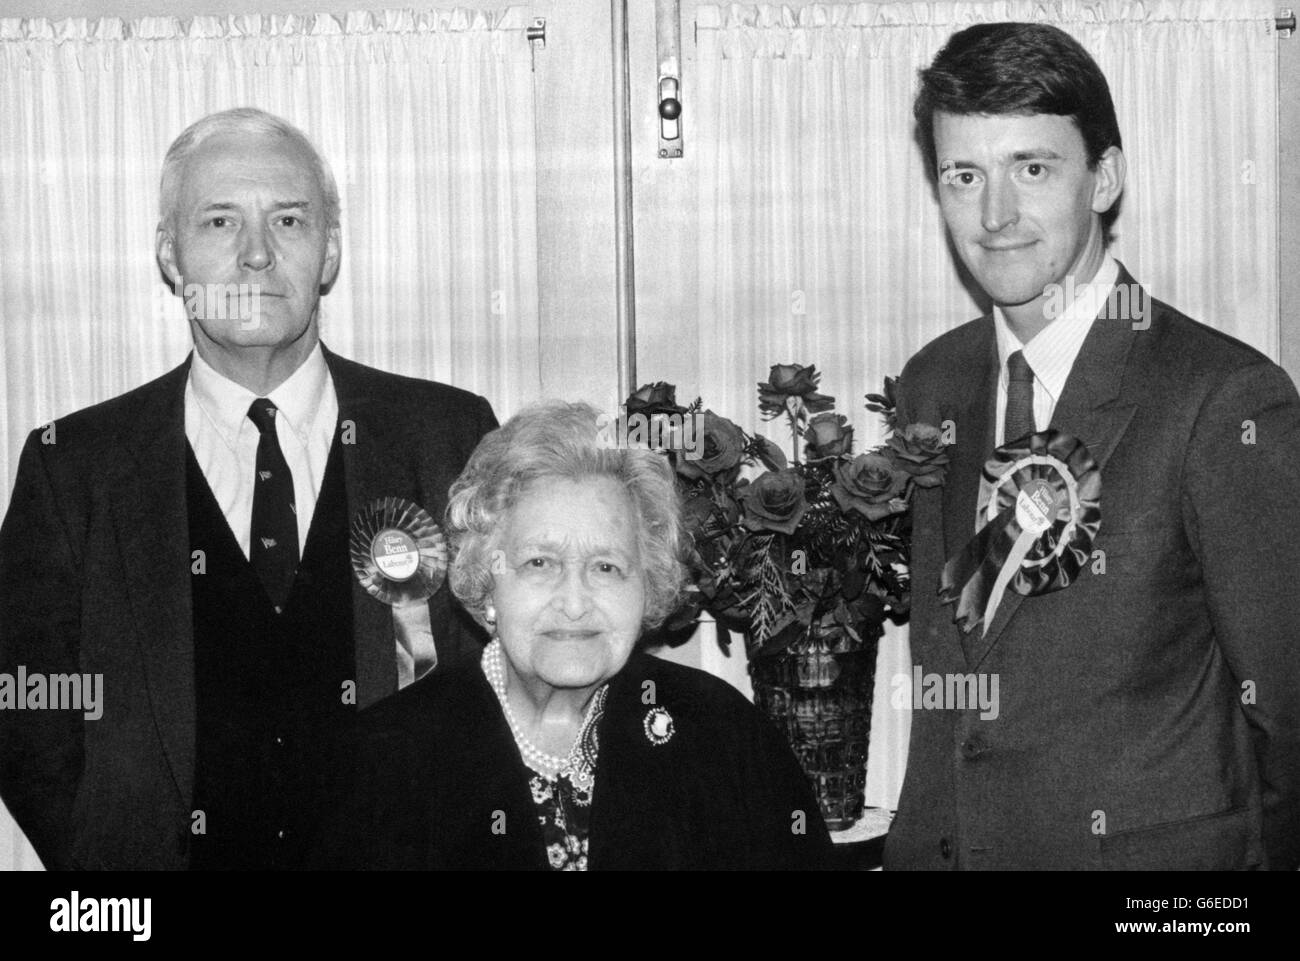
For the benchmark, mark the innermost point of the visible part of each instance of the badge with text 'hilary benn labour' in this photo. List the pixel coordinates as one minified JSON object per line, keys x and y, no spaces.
{"x":1043,"y":515}
{"x":399,"y":555}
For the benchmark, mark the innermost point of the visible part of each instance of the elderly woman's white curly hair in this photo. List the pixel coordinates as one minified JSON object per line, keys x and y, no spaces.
{"x":562,"y":441}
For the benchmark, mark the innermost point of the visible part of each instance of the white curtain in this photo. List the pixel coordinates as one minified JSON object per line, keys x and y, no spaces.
{"x":426,"y":119}
{"x":821,"y":240}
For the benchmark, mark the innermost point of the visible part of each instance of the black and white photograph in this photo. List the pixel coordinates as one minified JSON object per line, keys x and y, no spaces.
{"x":651,"y":435}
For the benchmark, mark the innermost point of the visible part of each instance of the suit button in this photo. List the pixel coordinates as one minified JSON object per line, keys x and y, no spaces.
{"x":973,"y":747}
{"x":945,"y":848}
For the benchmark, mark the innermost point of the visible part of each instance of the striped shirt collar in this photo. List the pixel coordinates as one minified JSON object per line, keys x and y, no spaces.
{"x":1053,"y":350}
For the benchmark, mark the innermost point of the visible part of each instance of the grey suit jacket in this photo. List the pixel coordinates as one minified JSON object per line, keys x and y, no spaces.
{"x":95,"y":578}
{"x":1149,"y":713}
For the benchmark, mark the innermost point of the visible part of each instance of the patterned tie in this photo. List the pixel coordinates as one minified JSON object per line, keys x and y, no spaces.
{"x":1019,"y":421}
{"x":273,"y":541}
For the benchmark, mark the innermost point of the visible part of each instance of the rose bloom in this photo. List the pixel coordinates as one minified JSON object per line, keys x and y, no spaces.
{"x":867,"y":484}
{"x":657,"y":398}
{"x":919,"y":449}
{"x":721,"y":445}
{"x":774,"y":502}
{"x":787,"y":382}
{"x":793,"y":378}
{"x":828,"y":435}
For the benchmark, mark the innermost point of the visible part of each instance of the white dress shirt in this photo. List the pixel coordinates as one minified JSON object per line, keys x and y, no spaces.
{"x":1052,"y":351}
{"x":1051,"y":354}
{"x":224,"y":440}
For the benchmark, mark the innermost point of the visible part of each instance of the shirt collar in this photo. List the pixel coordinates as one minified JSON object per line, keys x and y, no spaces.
{"x":226,"y":403}
{"x":1051,"y":352}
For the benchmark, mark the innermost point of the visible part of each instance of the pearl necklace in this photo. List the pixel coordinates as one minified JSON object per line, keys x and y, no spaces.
{"x":579,"y":765}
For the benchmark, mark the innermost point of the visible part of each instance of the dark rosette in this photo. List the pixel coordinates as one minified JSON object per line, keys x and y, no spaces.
{"x":1043,"y":517}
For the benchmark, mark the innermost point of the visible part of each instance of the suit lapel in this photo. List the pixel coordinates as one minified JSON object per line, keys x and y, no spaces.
{"x":371,"y":469}
{"x":976,"y":403}
{"x":1090,"y":408}
{"x":152,"y":529}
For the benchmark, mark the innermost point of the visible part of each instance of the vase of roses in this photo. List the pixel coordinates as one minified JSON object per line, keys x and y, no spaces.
{"x":806,"y":556}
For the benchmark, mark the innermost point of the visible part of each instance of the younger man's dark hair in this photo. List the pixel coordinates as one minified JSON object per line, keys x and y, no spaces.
{"x":1018,"y":68}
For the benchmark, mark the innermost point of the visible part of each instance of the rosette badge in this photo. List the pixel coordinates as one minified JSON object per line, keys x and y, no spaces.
{"x":1042,"y":517}
{"x":400,"y":557}
{"x":398,"y":553}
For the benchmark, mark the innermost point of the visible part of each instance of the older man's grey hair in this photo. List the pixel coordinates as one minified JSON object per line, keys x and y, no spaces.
{"x":246,"y":120}
{"x":554,"y":440}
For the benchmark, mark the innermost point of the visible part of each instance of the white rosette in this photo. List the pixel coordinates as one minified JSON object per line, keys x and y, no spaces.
{"x":399,"y":555}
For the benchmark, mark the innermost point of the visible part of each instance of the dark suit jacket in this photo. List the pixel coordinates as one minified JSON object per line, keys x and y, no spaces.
{"x":95,"y":578}
{"x":439,"y":770}
{"x":1122,"y":739}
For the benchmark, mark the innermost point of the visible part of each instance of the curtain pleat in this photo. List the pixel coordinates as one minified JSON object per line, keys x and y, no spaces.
{"x":821,"y":240}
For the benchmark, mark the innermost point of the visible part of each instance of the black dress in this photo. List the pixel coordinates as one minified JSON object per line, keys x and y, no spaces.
{"x":690,"y":776}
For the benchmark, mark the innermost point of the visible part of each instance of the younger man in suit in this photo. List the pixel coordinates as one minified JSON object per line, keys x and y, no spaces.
{"x":188,"y":542}
{"x":1149,"y":710}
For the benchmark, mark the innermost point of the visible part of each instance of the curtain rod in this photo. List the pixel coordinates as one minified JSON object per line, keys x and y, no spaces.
{"x":1284,"y":22}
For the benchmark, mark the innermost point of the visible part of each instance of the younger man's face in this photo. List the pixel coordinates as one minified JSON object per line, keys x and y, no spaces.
{"x":1021,"y":204}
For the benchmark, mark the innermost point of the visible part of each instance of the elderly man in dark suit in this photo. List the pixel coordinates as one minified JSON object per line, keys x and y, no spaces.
{"x":1149,"y":711}
{"x":189,"y":541}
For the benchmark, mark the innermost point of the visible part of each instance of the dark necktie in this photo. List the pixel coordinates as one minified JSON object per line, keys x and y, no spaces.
{"x":273,"y":544}
{"x":1019,"y":421}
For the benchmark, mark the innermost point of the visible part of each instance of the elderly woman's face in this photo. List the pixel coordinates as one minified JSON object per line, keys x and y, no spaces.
{"x":567,"y":583}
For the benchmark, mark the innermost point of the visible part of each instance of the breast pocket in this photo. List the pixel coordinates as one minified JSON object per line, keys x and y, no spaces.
{"x":1153,"y":553}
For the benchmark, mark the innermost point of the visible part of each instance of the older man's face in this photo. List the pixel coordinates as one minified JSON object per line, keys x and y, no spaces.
{"x":250,"y":222}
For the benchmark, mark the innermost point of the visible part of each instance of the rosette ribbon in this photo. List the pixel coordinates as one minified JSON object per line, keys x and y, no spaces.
{"x":399,"y":555}
{"x":1042,"y":517}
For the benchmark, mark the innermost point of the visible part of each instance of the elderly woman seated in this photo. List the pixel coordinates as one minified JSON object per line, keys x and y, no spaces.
{"x":566,"y":747}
